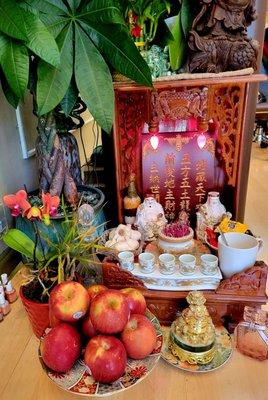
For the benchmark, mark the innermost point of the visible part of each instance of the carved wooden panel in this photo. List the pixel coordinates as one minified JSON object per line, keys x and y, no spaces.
{"x":132,"y":110}
{"x":226,"y":106}
{"x":249,"y":283}
{"x":180,"y":103}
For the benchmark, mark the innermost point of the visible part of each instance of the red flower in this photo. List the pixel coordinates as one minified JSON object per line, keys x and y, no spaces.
{"x":138,"y":372}
{"x":50,"y":204}
{"x":136,"y":31}
{"x":18,"y":202}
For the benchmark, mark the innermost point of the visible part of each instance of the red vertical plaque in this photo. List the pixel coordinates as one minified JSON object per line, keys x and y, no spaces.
{"x":179,"y":173}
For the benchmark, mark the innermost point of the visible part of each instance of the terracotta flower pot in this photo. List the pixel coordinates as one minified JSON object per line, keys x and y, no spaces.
{"x":38,"y":314}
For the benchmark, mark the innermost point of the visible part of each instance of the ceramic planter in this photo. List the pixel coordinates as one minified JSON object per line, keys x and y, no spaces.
{"x":38,"y":314}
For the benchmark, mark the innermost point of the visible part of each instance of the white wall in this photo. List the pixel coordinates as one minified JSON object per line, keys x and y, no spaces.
{"x":14,"y":170}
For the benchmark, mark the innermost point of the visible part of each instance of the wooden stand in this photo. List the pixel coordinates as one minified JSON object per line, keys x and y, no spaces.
{"x":225,"y":305}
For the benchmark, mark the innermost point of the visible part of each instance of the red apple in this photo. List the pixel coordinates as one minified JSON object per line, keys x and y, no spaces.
{"x":139,"y":337}
{"x":109,"y":312}
{"x":69,"y":301}
{"x":136,"y":300}
{"x":106,"y":357}
{"x":88,"y":328}
{"x":61,"y":347}
{"x":94,"y":290}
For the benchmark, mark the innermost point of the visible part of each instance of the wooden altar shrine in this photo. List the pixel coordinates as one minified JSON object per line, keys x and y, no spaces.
{"x":182,"y":110}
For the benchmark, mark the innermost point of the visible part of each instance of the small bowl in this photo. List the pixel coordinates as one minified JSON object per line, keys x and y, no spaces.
{"x":175,"y":245}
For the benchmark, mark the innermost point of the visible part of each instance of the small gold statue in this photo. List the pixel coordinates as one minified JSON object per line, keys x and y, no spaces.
{"x":192,"y":334}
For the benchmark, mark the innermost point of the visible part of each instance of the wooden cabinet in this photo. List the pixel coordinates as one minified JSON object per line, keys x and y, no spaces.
{"x":222,"y":100}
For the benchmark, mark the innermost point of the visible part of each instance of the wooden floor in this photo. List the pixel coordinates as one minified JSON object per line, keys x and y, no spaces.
{"x":256,"y":215}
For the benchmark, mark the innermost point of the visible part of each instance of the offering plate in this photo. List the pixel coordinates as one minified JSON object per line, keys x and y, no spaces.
{"x":78,"y":380}
{"x":223,"y":352}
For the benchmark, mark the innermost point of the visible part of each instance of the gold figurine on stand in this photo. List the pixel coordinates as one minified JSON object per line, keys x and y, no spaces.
{"x":192,"y":334}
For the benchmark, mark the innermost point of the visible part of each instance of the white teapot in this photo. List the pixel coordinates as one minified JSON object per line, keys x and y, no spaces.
{"x":150,"y":219}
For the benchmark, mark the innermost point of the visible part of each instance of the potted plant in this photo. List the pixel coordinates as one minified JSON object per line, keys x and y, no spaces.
{"x":60,"y":50}
{"x":49,"y":261}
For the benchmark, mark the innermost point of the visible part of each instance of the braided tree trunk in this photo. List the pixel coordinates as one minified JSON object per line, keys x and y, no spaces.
{"x":56,"y":173}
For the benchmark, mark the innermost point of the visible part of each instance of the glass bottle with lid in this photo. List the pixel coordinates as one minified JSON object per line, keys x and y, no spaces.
{"x":251,"y":335}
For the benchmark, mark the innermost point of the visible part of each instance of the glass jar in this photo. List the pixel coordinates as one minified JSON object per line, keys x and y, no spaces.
{"x":251,"y":335}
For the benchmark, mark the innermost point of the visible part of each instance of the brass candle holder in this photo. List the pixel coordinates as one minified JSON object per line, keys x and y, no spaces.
{"x":192,"y":334}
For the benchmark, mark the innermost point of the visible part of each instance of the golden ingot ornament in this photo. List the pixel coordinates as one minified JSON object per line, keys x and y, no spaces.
{"x":192,"y":334}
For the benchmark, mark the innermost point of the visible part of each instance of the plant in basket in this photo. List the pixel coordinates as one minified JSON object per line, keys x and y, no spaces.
{"x":49,"y":261}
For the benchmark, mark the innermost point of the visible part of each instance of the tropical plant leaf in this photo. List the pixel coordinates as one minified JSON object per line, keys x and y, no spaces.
{"x":120,"y":51}
{"x":186,"y":17}
{"x":94,"y":80}
{"x":104,"y":11}
{"x":49,"y":6}
{"x":178,"y":45}
{"x":3,"y":45}
{"x":9,"y":94}
{"x":11,"y":21}
{"x":69,"y":100}
{"x":15,"y":65}
{"x":74,"y":4}
{"x":17,"y":240}
{"x":53,"y":82}
{"x":41,"y":41}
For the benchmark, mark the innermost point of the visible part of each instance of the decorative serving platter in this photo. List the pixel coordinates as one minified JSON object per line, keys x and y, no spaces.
{"x":223,"y":352}
{"x":78,"y":379}
{"x":177,"y":281}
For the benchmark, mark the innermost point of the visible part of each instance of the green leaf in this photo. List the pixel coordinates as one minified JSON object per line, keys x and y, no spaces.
{"x":178,"y":46}
{"x":49,"y":6}
{"x":41,"y":41}
{"x":9,"y":94}
{"x":11,"y":20}
{"x":104,"y":11}
{"x":17,"y":240}
{"x":74,"y":4}
{"x":121,"y":52}
{"x":54,"y":23}
{"x":94,"y":80}
{"x":3,"y":44}
{"x":186,"y":17}
{"x":69,"y":100}
{"x":53,"y":82}
{"x":15,"y":65}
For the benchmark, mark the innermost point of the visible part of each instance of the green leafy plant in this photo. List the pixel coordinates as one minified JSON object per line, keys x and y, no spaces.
{"x":179,"y":26}
{"x":73,"y":246}
{"x":74,"y":44}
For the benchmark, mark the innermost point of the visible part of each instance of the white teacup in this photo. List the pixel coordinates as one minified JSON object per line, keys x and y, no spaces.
{"x":147,"y":262}
{"x":209,"y":264}
{"x":240,"y":254}
{"x":187,"y":264}
{"x":126,"y":259}
{"x":167,"y":263}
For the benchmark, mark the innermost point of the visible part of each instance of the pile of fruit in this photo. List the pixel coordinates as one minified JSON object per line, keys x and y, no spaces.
{"x":100,"y":325}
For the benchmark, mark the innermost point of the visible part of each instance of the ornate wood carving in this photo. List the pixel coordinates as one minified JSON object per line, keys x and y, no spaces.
{"x":179,"y":104}
{"x":132,"y":110}
{"x":115,"y":277}
{"x":218,"y":40}
{"x":249,"y":283}
{"x":226,"y":106}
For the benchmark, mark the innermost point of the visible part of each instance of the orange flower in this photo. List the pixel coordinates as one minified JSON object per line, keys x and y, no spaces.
{"x":50,"y":204}
{"x":18,"y":202}
{"x":33,"y":213}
